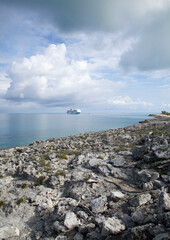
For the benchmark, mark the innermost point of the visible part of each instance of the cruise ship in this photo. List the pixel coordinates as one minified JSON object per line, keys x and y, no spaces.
{"x":74,"y":111}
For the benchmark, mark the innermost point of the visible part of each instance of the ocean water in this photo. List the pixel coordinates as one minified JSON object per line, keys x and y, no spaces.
{"x":22,"y":129}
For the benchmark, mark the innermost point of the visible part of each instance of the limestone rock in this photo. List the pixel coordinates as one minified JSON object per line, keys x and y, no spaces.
{"x":162,"y":236}
{"x":139,"y":152}
{"x":112,"y":226}
{"x":138,"y":217}
{"x":71,"y":221}
{"x":116,"y":195}
{"x":9,"y":231}
{"x":118,"y":161}
{"x":140,"y":200}
{"x":78,"y":236}
{"x":98,"y":205}
{"x":165,"y":201}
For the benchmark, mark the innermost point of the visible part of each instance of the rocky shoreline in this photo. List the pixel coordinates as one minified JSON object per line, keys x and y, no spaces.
{"x":111,"y":184}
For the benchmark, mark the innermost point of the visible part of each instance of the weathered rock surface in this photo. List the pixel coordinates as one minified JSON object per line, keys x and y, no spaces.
{"x":111,"y":184}
{"x":112,"y":226}
{"x":8,"y":232}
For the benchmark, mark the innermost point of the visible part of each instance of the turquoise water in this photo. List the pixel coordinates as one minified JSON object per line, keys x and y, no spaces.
{"x":22,"y":129}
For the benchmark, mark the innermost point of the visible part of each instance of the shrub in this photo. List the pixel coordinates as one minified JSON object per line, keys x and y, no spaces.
{"x":21,"y":200}
{"x":24,"y":185}
{"x":63,"y":156}
{"x":2,"y":203}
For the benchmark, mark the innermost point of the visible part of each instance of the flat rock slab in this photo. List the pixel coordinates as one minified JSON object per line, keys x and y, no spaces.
{"x":9,"y":232}
{"x":118,"y":161}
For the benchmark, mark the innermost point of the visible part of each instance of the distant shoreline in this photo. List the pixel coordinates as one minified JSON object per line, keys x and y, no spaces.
{"x":159,"y":115}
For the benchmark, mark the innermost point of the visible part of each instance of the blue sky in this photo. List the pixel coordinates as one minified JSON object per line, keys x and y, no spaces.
{"x":97,"y":55}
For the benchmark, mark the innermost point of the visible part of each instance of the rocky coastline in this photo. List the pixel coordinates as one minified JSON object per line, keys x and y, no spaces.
{"x":112,"y":184}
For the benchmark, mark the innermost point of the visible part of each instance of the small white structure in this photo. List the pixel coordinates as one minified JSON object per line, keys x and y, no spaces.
{"x":75,"y":111}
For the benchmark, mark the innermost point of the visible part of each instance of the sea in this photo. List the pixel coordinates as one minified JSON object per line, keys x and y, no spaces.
{"x":20,"y":129}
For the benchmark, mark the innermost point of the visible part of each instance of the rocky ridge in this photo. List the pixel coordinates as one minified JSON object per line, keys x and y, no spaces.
{"x":111,"y":184}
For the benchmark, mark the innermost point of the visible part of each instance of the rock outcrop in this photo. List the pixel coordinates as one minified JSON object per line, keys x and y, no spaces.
{"x":111,"y":184}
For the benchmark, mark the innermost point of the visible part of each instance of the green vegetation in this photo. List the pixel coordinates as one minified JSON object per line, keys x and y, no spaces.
{"x":39,"y":181}
{"x":165,"y":113}
{"x":24,"y":185}
{"x":156,"y":164}
{"x":62,"y":173}
{"x":2,"y":203}
{"x":21,"y":200}
{"x":62,"y":156}
{"x":100,"y":157}
{"x":158,"y":132}
{"x":68,"y":152}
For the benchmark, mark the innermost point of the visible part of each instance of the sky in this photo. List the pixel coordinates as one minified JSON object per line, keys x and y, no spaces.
{"x":96,"y":55}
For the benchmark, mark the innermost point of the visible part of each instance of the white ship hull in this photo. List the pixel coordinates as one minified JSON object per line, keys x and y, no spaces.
{"x":75,"y":111}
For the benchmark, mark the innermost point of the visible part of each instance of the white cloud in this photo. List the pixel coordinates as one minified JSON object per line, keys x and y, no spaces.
{"x":55,"y":79}
{"x":166,"y":105}
{"x":4,"y":83}
{"x":126,"y":101}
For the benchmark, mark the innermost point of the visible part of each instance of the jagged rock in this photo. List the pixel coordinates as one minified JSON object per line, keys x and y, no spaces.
{"x":140,"y":200}
{"x":165,"y":201}
{"x":162,"y":236}
{"x":103,"y":170}
{"x":142,"y":232}
{"x":94,"y":162}
{"x":120,"y":173}
{"x":87,"y":228}
{"x":78,"y":236}
{"x":145,"y":176}
{"x":138,"y":217}
{"x":128,"y":221}
{"x":61,"y":238}
{"x":155,"y":230}
{"x":116,"y":195}
{"x":58,"y":227}
{"x":69,"y":188}
{"x":162,"y":154}
{"x":148,"y":186}
{"x":118,"y":161}
{"x":112,"y":226}
{"x":94,"y":235}
{"x":165,"y":178}
{"x":71,"y":221}
{"x":9,"y":231}
{"x":159,"y":184}
{"x":166,"y":219}
{"x":139,"y":152}
{"x":82,"y":215}
{"x":98,"y":205}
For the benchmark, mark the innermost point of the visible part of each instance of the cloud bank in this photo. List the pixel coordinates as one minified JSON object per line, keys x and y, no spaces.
{"x":54,"y":79}
{"x":146,"y":22}
{"x":59,"y":53}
